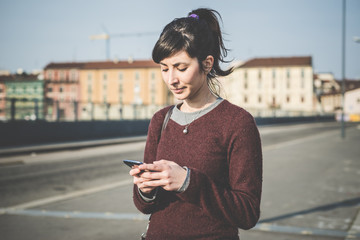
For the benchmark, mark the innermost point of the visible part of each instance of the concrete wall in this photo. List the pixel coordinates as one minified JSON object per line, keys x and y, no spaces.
{"x":36,"y":132}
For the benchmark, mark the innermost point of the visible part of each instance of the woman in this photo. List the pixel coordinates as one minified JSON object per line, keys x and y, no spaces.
{"x":202,"y":175}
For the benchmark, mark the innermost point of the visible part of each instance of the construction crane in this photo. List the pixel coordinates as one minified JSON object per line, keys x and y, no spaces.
{"x":106,"y":36}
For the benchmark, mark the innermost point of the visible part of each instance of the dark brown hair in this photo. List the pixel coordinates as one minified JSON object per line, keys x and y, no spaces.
{"x":200,"y":37}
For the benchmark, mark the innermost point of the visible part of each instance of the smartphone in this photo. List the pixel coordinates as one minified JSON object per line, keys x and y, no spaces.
{"x":132,"y":163}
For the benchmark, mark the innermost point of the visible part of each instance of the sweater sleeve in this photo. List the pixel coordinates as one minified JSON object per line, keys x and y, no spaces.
{"x":153,"y":138}
{"x":238,"y":203}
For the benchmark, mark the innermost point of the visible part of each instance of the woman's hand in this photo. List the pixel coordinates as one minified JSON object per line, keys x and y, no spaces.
{"x":139,"y":180}
{"x":166,"y":174}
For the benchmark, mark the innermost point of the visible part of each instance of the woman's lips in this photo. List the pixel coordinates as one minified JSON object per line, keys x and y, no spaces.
{"x":178,"y":90}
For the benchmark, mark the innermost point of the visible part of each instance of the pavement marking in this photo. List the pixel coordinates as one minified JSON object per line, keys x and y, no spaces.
{"x":299,"y":140}
{"x":75,"y":214}
{"x":67,"y":196}
{"x":301,"y":230}
{"x":141,"y":217}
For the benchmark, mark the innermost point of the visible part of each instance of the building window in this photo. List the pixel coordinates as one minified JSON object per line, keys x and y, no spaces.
{"x":259,"y":99}
{"x":273,"y":73}
{"x":105,"y":76}
{"x":288,"y":99}
{"x":287,"y":83}
{"x":245,"y":84}
{"x":73,"y":75}
{"x":245,"y":75}
{"x":120,"y":87}
{"x":62,"y":75}
{"x":105,"y":84}
{"x":259,"y":83}
{"x":245,"y":99}
{"x":120,"y":76}
{"x":137,"y":76}
{"x":61,"y":89}
{"x":49,"y":74}
{"x":302,"y":83}
{"x":302,"y":99}
{"x":89,"y":76}
{"x":302,"y":73}
{"x":259,"y":74}
{"x":288,"y":73}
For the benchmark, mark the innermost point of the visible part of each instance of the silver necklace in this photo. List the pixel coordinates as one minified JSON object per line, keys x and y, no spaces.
{"x":185,"y":131}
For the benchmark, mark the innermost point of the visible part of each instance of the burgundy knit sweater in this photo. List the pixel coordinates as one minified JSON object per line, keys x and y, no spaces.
{"x":223,"y":152}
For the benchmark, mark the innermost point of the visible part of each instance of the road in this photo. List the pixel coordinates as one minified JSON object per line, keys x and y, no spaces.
{"x":311,"y":189}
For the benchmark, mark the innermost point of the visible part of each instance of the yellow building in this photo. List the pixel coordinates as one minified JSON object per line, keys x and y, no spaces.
{"x":113,"y":90}
{"x":273,"y":86}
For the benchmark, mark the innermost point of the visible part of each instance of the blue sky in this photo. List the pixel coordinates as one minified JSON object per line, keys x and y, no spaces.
{"x":37,"y":32}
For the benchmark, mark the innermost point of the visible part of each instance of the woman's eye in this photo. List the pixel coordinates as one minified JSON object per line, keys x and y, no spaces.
{"x":164,"y":69}
{"x":182,"y":69}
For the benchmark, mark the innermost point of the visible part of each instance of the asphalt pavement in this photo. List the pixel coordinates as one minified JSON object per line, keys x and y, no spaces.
{"x":311,"y":190}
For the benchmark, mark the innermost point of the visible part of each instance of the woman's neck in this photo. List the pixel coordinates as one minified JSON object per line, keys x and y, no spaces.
{"x":197,"y":104}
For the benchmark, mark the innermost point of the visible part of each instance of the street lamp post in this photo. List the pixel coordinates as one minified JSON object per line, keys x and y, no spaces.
{"x":343,"y":70}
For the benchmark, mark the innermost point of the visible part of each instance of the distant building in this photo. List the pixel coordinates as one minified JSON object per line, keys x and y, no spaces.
{"x":331,"y":101}
{"x":352,"y":104}
{"x":273,"y":86}
{"x":4,"y":73}
{"x":2,"y":99}
{"x":105,"y":90}
{"x":325,"y":83}
{"x":61,"y":87}
{"x":24,"y":97}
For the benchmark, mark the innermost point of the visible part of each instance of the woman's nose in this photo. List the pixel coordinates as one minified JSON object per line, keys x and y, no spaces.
{"x":172,"y":78}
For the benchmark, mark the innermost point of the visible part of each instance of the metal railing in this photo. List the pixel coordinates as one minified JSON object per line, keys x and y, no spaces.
{"x":50,"y":110}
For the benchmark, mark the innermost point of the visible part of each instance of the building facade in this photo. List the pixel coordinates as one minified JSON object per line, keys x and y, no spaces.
{"x":332,"y":101}
{"x":24,"y":97}
{"x":61,"y":87}
{"x":273,"y":86}
{"x":109,"y":90}
{"x":352,"y":104}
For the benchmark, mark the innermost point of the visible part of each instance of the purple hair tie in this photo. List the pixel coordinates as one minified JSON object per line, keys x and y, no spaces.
{"x":194,"y":16}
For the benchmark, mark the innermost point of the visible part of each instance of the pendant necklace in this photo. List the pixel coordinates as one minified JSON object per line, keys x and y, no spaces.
{"x":185,"y":131}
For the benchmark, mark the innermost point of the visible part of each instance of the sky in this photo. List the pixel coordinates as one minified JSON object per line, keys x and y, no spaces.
{"x":37,"y":32}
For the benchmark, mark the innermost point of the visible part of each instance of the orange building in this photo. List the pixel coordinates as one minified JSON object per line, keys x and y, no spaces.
{"x":111,"y":90}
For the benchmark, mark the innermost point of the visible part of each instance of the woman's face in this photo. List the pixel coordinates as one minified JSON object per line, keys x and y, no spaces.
{"x":183,"y":76}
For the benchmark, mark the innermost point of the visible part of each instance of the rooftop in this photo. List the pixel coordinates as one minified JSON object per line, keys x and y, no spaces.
{"x":103,"y":65}
{"x":278,"y":62}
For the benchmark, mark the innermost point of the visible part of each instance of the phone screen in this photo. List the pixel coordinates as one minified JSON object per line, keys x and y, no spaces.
{"x":131,"y":163}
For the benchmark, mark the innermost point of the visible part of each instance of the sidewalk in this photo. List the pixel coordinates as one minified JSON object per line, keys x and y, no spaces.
{"x":6,"y":151}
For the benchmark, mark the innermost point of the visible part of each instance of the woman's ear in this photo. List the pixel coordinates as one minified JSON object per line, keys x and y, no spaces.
{"x":208,"y":63}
